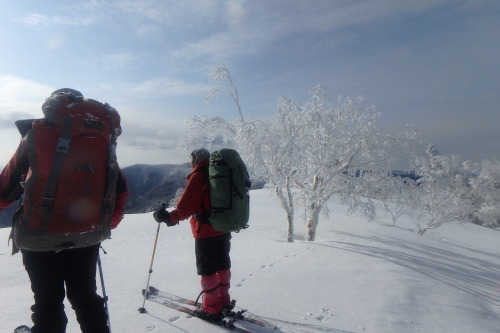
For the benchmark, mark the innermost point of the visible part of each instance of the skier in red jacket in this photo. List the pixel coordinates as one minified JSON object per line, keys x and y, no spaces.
{"x":211,"y":246}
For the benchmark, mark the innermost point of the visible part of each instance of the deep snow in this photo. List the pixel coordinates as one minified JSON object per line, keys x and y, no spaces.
{"x":356,"y":277}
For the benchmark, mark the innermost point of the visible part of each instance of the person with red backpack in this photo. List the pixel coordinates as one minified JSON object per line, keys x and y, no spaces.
{"x":73,"y":194}
{"x":211,"y":246}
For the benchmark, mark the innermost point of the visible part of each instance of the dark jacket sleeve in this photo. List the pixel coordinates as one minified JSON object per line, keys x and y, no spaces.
{"x":120,"y":200}
{"x":11,"y":177}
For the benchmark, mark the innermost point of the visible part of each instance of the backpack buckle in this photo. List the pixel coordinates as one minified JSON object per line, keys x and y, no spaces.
{"x":47,"y":202}
{"x":63,"y":145}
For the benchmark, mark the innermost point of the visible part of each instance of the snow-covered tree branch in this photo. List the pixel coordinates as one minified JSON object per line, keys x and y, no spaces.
{"x":219,"y":75}
{"x":342,"y":151}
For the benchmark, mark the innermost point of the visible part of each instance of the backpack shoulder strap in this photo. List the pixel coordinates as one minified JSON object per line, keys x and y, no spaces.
{"x":62,"y":149}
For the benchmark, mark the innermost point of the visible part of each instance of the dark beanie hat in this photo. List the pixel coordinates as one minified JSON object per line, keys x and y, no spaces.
{"x":199,"y":155}
{"x":76,"y":93}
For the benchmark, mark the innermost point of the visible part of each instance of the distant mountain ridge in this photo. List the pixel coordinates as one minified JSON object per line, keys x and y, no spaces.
{"x":149,"y":186}
{"x":152,"y":185}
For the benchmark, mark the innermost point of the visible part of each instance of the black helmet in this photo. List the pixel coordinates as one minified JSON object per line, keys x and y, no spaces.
{"x":199,"y":155}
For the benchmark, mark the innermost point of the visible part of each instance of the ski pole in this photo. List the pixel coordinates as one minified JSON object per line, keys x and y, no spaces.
{"x":105,"y":297}
{"x":143,"y":309}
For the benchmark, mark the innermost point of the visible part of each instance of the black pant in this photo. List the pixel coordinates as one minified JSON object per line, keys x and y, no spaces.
{"x":212,"y":254}
{"x":48,"y":272}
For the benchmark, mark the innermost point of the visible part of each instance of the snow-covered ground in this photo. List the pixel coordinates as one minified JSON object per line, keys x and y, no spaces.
{"x":357,"y":276}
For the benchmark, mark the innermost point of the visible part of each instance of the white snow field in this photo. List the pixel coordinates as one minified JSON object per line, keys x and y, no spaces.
{"x":356,"y":277}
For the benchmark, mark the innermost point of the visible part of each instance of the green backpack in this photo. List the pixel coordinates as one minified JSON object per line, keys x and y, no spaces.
{"x":229,"y":191}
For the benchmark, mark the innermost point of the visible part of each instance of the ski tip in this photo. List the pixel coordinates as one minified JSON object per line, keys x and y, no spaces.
{"x":152,"y":289}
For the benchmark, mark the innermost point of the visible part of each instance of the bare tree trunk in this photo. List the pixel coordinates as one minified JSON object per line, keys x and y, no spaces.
{"x":289,"y":236}
{"x":290,"y":214}
{"x":313,"y":213}
{"x":312,"y":221}
{"x":287,"y":204}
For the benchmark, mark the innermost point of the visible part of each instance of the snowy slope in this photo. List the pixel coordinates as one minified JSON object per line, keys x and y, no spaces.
{"x":357,"y":276}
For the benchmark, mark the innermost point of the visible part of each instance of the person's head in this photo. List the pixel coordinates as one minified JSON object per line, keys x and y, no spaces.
{"x":51,"y":103}
{"x":198,"y":155}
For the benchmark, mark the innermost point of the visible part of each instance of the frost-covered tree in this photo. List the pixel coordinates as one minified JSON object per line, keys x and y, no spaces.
{"x":266,"y":146}
{"x":315,"y":149}
{"x":484,"y":184}
{"x":444,"y":191}
{"x":397,"y":195}
{"x":343,"y":150}
{"x":272,"y":150}
{"x":206,"y":130}
{"x":220,"y":75}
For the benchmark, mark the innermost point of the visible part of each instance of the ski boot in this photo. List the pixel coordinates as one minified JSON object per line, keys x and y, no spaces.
{"x":211,"y":317}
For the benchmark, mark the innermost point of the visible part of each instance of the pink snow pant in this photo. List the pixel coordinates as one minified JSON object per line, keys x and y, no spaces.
{"x":216,"y":291}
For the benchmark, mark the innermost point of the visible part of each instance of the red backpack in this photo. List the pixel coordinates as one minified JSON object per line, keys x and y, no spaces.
{"x":69,"y":191}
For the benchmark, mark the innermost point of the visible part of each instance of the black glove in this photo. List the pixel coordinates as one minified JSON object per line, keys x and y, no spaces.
{"x":162,"y":215}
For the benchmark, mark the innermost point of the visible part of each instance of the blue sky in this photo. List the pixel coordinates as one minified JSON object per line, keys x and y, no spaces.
{"x":434,"y":64}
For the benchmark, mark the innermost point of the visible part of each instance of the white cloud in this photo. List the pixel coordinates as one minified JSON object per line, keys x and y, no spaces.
{"x":37,"y":20}
{"x":20,"y":98}
{"x":13,"y":87}
{"x":142,"y":17}
{"x":151,"y":141}
{"x":221,"y":47}
{"x":157,"y":87}
{"x":179,"y":14}
{"x":221,"y":29}
{"x":117,"y":61}
{"x":258,"y":27}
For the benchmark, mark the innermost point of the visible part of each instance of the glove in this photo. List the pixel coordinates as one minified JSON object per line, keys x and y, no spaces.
{"x":162,"y":215}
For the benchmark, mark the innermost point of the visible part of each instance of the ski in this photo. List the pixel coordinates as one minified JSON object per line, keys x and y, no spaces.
{"x":228,"y":324}
{"x":171,"y":297}
{"x":251,"y":318}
